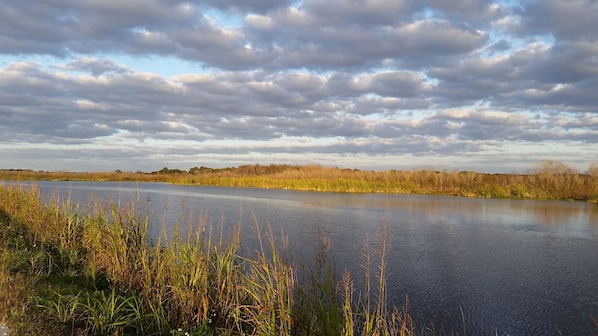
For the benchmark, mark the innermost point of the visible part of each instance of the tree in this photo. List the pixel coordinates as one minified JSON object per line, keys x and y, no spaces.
{"x":593,"y":169}
{"x":553,"y":168}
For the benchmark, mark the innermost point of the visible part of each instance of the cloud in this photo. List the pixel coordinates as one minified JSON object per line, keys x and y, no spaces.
{"x":563,"y":19}
{"x":363,"y":13}
{"x":94,"y":65}
{"x":256,"y":6}
{"x":353,"y":80}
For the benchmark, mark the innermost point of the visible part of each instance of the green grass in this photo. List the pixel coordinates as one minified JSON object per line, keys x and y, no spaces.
{"x":66,"y":270}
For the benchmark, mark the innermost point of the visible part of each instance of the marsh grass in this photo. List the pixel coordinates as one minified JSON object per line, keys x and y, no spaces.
{"x":320,"y":310}
{"x":546,"y":180}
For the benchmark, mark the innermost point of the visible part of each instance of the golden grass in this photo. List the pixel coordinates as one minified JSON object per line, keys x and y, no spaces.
{"x":548,"y":180}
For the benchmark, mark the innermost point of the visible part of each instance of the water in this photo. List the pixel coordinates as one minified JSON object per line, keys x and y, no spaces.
{"x":476,"y":266}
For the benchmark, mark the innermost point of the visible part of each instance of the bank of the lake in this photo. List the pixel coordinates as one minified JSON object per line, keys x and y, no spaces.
{"x":549,"y":181}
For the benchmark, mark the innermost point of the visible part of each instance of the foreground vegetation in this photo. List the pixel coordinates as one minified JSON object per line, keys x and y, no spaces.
{"x":65,"y":270}
{"x":547,"y":180}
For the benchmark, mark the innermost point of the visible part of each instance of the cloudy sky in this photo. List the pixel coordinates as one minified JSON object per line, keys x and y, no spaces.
{"x":494,"y":86}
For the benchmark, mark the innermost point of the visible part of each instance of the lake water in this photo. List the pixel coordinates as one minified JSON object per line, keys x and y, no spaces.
{"x":476,"y":266}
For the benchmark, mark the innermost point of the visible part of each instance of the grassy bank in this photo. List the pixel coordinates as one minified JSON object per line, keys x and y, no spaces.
{"x":547,"y":181}
{"x":540,"y":185}
{"x":65,"y":270}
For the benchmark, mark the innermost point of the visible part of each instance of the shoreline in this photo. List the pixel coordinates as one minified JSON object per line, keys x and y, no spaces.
{"x":348,"y":186}
{"x":546,"y":181}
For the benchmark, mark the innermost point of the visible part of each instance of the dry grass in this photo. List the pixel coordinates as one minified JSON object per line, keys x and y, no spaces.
{"x":547,"y":180}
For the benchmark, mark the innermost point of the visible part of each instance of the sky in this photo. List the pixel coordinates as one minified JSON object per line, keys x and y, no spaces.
{"x":490,"y":86}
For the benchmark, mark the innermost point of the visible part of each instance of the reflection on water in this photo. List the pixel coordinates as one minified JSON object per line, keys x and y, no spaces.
{"x":516,"y":267}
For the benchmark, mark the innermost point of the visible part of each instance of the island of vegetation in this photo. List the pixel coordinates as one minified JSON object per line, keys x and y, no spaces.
{"x":547,"y":180}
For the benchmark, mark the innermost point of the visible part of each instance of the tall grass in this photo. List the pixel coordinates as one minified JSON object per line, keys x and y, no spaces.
{"x":68,"y":270}
{"x":546,"y":180}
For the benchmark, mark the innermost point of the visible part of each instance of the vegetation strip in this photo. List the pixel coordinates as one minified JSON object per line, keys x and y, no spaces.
{"x":548,"y":180}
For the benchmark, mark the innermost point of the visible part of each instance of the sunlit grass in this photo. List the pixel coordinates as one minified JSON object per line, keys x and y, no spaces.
{"x":547,"y":180}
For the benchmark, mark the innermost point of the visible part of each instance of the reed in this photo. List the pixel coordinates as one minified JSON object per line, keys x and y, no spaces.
{"x":267,"y":289}
{"x":546,"y":180}
{"x":319,"y":305}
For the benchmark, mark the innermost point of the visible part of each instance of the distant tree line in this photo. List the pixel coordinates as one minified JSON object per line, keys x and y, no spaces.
{"x":246,"y":170}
